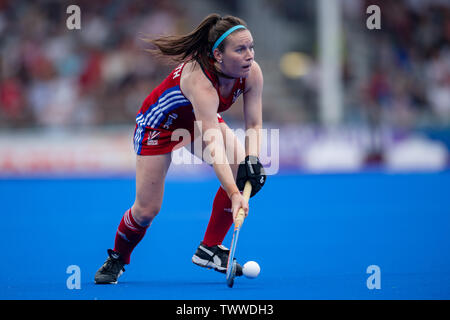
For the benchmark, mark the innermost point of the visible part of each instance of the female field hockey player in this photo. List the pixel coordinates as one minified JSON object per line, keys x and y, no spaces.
{"x":216,"y":65}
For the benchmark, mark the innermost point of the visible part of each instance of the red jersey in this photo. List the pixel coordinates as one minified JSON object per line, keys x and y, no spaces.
{"x":166,"y":109}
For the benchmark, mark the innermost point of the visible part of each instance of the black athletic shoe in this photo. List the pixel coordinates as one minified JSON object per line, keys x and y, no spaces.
{"x":215,"y":257}
{"x":111,"y":270}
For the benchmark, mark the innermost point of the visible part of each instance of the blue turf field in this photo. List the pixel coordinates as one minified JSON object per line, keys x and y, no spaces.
{"x":313,"y":235}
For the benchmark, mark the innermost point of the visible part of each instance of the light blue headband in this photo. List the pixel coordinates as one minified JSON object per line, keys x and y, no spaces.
{"x":226,"y":34}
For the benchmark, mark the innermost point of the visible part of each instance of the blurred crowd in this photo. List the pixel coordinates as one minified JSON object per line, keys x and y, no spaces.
{"x":55,"y":77}
{"x":52,"y":76}
{"x":408,"y":62}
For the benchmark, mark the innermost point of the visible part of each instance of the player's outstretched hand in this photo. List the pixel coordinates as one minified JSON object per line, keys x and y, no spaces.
{"x":238,"y":201}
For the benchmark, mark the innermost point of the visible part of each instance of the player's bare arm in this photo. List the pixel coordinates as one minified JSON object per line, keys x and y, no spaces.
{"x":253,"y":110}
{"x":251,"y":169}
{"x":205,"y":102}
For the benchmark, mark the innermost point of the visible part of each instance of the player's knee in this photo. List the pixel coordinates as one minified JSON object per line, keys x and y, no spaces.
{"x":145,"y":214}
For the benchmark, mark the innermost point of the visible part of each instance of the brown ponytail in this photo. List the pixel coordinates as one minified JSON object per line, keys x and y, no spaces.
{"x":197,"y":44}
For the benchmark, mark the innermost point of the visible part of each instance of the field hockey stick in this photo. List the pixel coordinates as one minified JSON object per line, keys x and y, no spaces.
{"x":231,"y":265}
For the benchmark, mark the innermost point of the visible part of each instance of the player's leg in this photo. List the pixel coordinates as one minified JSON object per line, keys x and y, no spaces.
{"x":211,"y":253}
{"x":150,"y":175}
{"x":151,"y":172}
